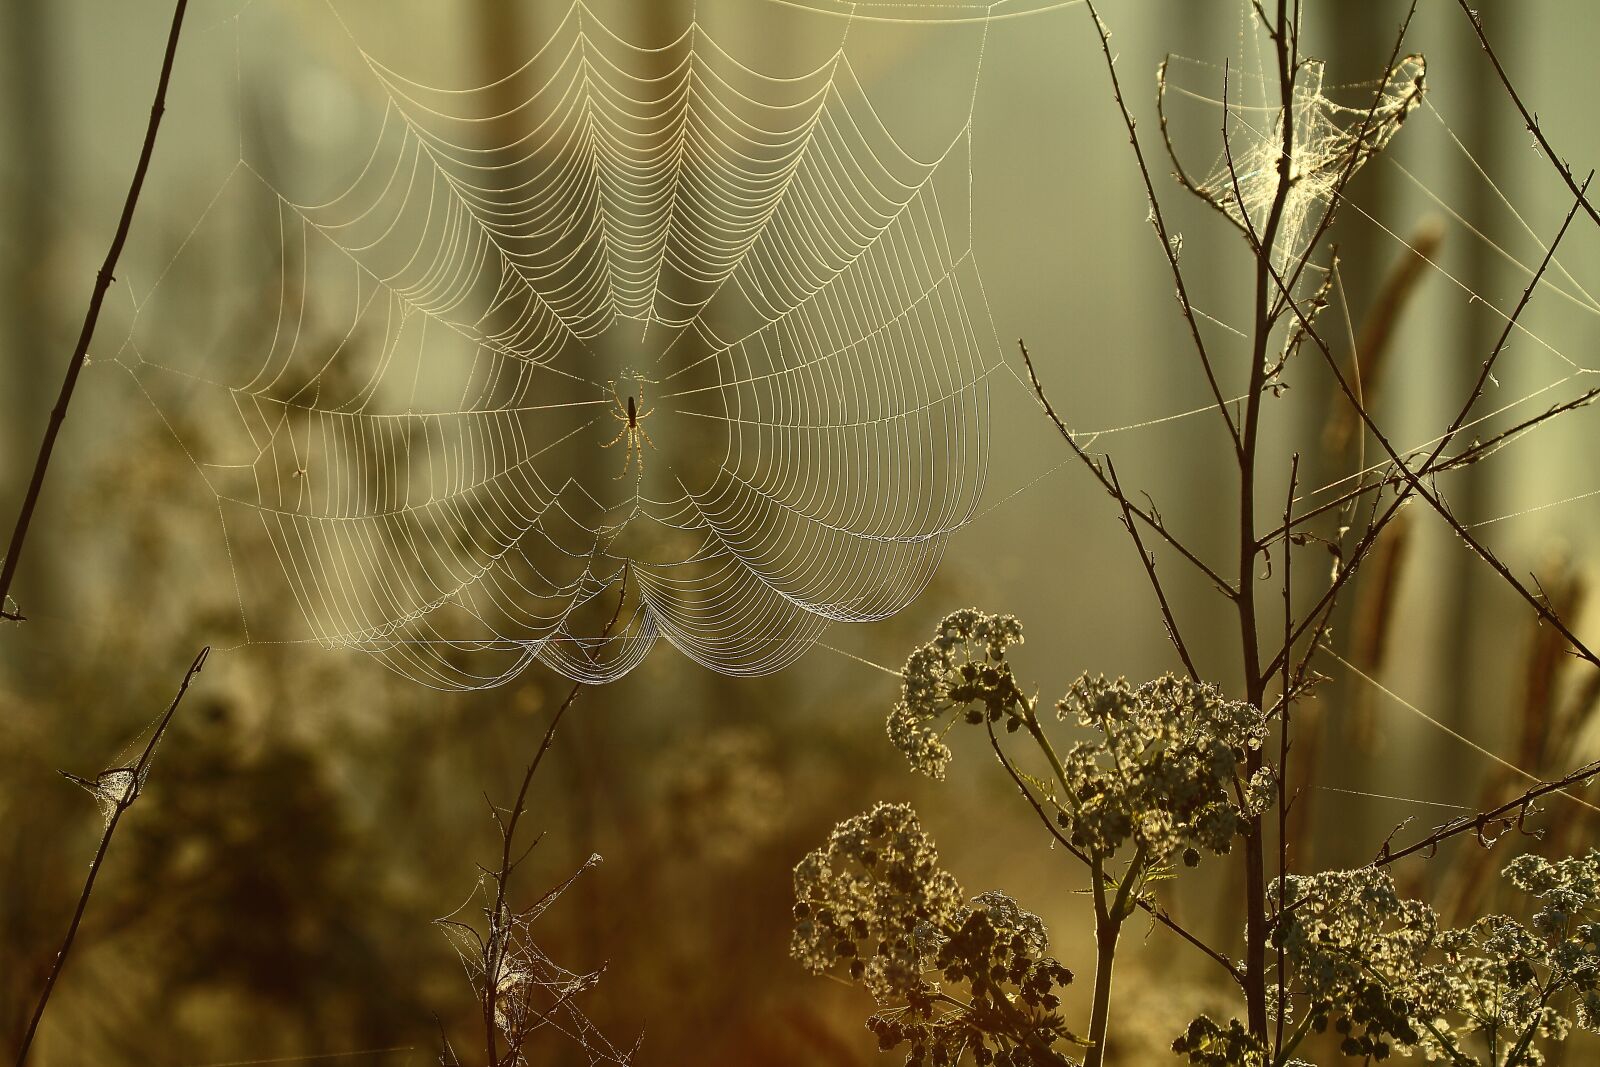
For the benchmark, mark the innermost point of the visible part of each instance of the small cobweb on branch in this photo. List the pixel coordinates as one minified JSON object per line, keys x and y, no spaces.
{"x":527,"y":992}
{"x":1332,"y":142}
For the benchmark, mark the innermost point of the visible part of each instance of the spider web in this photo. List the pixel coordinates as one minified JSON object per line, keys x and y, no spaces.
{"x":428,"y":414}
{"x":420,"y":411}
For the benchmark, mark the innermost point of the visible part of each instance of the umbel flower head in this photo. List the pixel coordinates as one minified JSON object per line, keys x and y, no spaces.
{"x":1356,"y":951}
{"x":1379,"y":968}
{"x":874,"y":903}
{"x":1512,"y":984}
{"x":1161,"y":771}
{"x":1162,"y":763}
{"x":963,"y":668}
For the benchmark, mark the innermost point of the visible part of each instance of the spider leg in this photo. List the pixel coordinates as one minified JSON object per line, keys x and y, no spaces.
{"x":621,"y":411}
{"x":619,"y":416}
{"x":620,"y":435}
{"x":652,"y":444}
{"x":644,"y":414}
{"x":627,"y":458}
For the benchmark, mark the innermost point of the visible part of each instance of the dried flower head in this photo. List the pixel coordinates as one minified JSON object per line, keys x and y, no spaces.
{"x":874,"y":903}
{"x":962,"y":667}
{"x":1162,"y":771}
{"x":1378,"y":967}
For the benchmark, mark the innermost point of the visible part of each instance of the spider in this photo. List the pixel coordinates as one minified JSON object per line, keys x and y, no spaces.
{"x":628,"y":413}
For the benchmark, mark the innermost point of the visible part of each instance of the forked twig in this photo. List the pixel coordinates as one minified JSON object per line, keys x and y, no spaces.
{"x":1155,"y":912}
{"x":1149,"y":518}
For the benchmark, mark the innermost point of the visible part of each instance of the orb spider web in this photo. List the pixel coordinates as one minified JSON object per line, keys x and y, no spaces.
{"x":417,"y":424}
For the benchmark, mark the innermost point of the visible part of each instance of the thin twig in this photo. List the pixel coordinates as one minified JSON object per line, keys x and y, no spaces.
{"x":1284,"y":718}
{"x":1529,"y":118}
{"x":123,"y":801}
{"x":499,"y":925}
{"x":1149,"y":518}
{"x":1481,"y":820}
{"x":58,"y":414}
{"x":1158,"y":220}
{"x":1149,"y":561}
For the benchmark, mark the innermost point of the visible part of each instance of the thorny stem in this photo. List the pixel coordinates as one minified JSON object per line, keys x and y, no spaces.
{"x":58,"y":414}
{"x":1500,"y":814}
{"x":129,"y":794}
{"x":499,"y":921}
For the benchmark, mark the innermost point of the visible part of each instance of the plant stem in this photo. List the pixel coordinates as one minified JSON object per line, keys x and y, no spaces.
{"x":1107,"y":931}
{"x":58,"y":415}
{"x":130,"y":793}
{"x":499,"y":919}
{"x":1255,"y":687}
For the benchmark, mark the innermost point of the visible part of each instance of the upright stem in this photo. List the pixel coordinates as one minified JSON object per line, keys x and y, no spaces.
{"x":1108,"y":917}
{"x":499,"y":919}
{"x":58,"y":415}
{"x":1249,"y":633}
{"x":1105,"y":936}
{"x":1107,"y":931}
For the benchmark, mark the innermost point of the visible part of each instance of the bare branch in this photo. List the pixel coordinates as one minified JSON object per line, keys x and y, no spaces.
{"x":130,"y":782}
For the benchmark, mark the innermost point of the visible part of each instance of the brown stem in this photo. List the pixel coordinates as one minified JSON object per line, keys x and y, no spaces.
{"x":58,"y":414}
{"x":1284,"y":720}
{"x":1107,"y":930}
{"x":1255,"y":961}
{"x":1081,"y":856}
{"x":499,"y":923}
{"x":129,"y":794}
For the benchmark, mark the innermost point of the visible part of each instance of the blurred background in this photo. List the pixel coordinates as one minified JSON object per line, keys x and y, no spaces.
{"x":311,"y":812}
